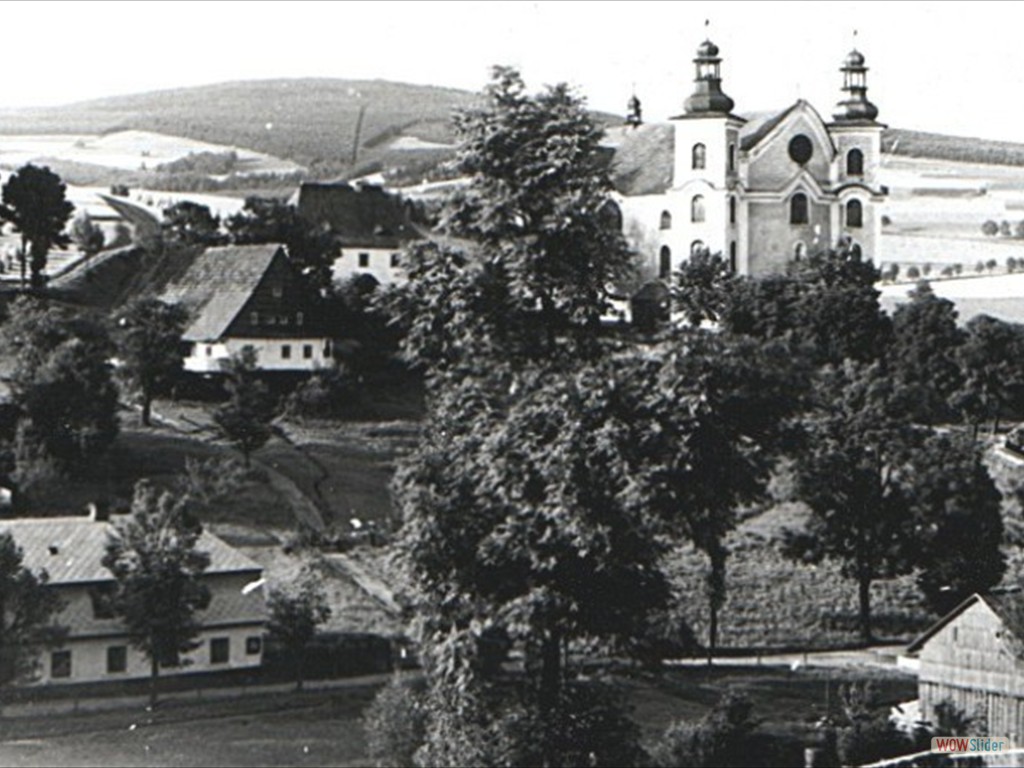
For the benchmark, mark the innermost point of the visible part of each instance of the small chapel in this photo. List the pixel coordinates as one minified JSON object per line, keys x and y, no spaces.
{"x":761,"y":189}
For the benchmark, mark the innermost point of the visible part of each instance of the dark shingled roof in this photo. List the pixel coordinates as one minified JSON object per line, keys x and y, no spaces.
{"x":217,"y":286}
{"x":70,"y":549}
{"x":1008,"y":606}
{"x":366,"y":215}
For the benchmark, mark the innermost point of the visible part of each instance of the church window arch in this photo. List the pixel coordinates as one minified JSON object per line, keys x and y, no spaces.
{"x":799,"y":250}
{"x":611,"y":216}
{"x":732,"y":158}
{"x":732,"y":209}
{"x":855,"y":250}
{"x":666,"y":220}
{"x":732,"y":257}
{"x":697,"y":208}
{"x":854,"y":214}
{"x":697,"y":248}
{"x":665,"y":262}
{"x":699,"y":157}
{"x":798,"y":209}
{"x":854,"y":163}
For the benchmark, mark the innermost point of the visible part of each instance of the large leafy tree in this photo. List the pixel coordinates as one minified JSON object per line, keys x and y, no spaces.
{"x":959,"y":523}
{"x":190,"y":224}
{"x":62,"y":381}
{"x":923,"y":353}
{"x":266,"y":220}
{"x":296,"y":610}
{"x":245,"y":419}
{"x":855,"y":477}
{"x":991,"y":362}
{"x":28,"y":612}
{"x":148,"y":336}
{"x":152,"y":555}
{"x":35,"y":203}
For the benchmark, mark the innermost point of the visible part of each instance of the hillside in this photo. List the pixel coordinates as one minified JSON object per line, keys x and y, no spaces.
{"x":311,"y":121}
{"x":937,"y":146}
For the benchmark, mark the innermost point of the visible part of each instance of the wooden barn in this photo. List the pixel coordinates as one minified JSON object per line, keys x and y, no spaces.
{"x":974,"y":657}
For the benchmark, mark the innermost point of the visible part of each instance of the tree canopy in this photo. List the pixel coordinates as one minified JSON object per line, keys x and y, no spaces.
{"x":36,"y":205}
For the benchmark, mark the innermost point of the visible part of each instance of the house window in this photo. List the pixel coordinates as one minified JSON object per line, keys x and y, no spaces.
{"x":286,"y":351}
{"x":209,"y":351}
{"x":854,"y":214}
{"x":278,"y":291}
{"x":697,"y":248}
{"x":364,"y":259}
{"x":102,"y":596}
{"x":699,"y":157}
{"x":254,"y":318}
{"x":220,"y":650}
{"x":307,"y":351}
{"x":327,"y":349}
{"x":300,"y":318}
{"x":798,"y":209}
{"x":395,"y":260}
{"x":732,"y":210}
{"x":60,"y":664}
{"x":283,"y":320}
{"x":697,"y":208}
{"x":854,"y":163}
{"x":117,"y":659}
{"x":732,"y":158}
{"x":732,"y":256}
{"x":253,"y":645}
{"x":666,"y":220}
{"x":665,"y":262}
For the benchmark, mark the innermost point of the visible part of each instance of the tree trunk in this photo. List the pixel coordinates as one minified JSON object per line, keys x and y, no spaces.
{"x":154,"y":673}
{"x":23,"y":260}
{"x":864,"y":592}
{"x":712,"y":632}
{"x":550,"y":672}
{"x":147,"y":407}
{"x":299,"y":663}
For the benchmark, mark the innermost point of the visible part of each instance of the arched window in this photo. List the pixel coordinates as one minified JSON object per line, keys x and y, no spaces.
{"x":854,"y":214}
{"x":697,"y":248}
{"x":732,"y":158}
{"x":665,"y":262}
{"x":855,"y":251}
{"x":611,"y":218}
{"x":854,"y":163}
{"x":697,"y":208}
{"x":798,"y":209}
{"x":732,"y":257}
{"x":732,"y":210}
{"x":699,"y":157}
{"x":799,"y":251}
{"x":666,"y":220}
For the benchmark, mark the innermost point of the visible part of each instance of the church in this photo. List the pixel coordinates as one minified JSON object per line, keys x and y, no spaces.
{"x":760,"y":189}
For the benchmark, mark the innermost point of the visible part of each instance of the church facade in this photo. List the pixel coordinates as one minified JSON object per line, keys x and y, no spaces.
{"x":760,"y":189}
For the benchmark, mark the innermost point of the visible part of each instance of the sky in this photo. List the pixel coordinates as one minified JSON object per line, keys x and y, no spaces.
{"x":948,"y":67}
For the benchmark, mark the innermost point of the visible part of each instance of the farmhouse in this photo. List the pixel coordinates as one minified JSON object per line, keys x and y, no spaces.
{"x":70,"y":550}
{"x":371,"y":226}
{"x":760,"y":189}
{"x":249,"y":296}
{"x":974,"y":657}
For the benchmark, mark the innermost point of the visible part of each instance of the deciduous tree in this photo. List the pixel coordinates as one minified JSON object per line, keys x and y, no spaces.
{"x":35,"y":203}
{"x":296,"y":610}
{"x":29,"y":609}
{"x":245,"y":419}
{"x":148,"y":336}
{"x":189,"y":223}
{"x":153,"y":556}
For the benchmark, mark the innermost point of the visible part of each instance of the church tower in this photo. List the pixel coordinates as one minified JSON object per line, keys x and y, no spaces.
{"x":858,"y":139}
{"x":706,"y":165}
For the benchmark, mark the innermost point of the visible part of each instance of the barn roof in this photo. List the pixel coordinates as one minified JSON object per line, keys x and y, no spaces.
{"x":217,"y":286}
{"x":70,"y":549}
{"x":1008,"y":606}
{"x":358,"y":216}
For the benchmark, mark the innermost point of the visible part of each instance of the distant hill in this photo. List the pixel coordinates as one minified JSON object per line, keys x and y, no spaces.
{"x":309,"y":121}
{"x":937,"y":146}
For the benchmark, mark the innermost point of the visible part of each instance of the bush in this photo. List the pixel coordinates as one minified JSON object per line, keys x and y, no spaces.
{"x":913,"y":273}
{"x":329,"y":392}
{"x":395,"y":723}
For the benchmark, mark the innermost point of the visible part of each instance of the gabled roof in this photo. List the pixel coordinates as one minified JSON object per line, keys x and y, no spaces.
{"x":644,"y":158}
{"x":760,"y":124}
{"x":365,"y":215}
{"x":217,"y":286}
{"x":70,"y":549}
{"x":1008,"y":606}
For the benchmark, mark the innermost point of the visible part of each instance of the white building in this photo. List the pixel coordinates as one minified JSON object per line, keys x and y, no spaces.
{"x":97,"y":648}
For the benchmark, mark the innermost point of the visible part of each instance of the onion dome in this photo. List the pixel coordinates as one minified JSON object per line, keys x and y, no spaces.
{"x":707,"y":96}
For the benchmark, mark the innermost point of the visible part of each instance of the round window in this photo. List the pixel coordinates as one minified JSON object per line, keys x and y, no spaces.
{"x":800,"y":149}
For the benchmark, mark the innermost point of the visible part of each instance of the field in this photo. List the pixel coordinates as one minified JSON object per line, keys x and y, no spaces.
{"x":322,"y":728}
{"x":1000,"y":296}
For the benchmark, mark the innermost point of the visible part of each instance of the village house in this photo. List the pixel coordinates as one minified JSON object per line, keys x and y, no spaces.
{"x":761,"y":189}
{"x":250,"y":296}
{"x":974,"y":657}
{"x":372,"y":227}
{"x":97,"y":648}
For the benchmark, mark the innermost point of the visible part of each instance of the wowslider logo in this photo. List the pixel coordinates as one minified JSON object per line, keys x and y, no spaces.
{"x":966,"y":745}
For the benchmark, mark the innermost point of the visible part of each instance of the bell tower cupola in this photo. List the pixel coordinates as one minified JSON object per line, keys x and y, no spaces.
{"x":707,"y":96}
{"x":855,"y":105}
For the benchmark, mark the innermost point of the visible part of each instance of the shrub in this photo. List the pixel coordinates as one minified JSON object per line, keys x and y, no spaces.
{"x":330,"y":392}
{"x":395,"y":723}
{"x":990,"y":228}
{"x":724,"y":737}
{"x":913,"y":273}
